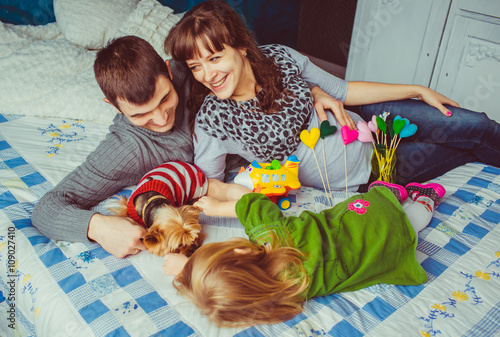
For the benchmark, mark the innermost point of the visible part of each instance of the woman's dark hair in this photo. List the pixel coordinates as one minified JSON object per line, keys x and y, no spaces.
{"x":215,"y":23}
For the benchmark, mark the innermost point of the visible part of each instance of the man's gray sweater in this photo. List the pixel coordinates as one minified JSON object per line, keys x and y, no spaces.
{"x":120,"y":160}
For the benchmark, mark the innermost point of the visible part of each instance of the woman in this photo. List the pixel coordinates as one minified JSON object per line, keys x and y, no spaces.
{"x":254,"y":102}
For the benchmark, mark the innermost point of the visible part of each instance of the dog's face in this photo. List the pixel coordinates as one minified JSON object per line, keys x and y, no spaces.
{"x":174,"y":230}
{"x":171,"y":229}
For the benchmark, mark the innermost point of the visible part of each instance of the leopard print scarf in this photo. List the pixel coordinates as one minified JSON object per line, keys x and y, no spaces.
{"x":268,"y":137}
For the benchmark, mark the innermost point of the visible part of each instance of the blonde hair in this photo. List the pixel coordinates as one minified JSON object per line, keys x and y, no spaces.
{"x":238,"y":283}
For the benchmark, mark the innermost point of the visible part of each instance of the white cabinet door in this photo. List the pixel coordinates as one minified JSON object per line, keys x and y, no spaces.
{"x":396,"y":41}
{"x":451,"y":46}
{"x":468,"y":65}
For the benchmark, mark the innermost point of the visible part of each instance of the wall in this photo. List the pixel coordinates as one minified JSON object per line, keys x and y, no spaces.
{"x":319,"y":28}
{"x":27,"y":12}
{"x":325,"y":29}
{"x":273,"y":21}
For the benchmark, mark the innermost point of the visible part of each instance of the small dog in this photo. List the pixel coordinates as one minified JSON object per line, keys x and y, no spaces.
{"x":161,"y":203}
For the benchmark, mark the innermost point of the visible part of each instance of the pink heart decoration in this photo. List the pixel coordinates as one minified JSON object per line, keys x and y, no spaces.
{"x":373,"y":124}
{"x":364,"y":132}
{"x":348,"y":135}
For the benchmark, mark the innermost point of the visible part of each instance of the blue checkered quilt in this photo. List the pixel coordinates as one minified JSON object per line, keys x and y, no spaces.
{"x":50,"y":288}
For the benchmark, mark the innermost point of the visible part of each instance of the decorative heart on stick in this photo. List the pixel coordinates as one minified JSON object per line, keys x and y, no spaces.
{"x":327,"y":129}
{"x":348,"y":135}
{"x":408,"y":130}
{"x":373,"y":124}
{"x":364,"y":132}
{"x":406,"y":120}
{"x":310,"y":139}
{"x":381,"y":124}
{"x":397,"y":125}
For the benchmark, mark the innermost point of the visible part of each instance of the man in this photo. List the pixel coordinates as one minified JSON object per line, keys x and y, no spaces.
{"x":150,"y":128}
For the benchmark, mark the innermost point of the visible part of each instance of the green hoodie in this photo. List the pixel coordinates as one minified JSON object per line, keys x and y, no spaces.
{"x":364,"y":240}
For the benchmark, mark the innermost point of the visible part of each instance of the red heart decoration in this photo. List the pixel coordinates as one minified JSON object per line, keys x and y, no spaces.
{"x":348,"y":135}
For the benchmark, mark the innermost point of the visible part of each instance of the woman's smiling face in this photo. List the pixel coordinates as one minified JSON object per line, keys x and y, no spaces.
{"x":226,"y":73}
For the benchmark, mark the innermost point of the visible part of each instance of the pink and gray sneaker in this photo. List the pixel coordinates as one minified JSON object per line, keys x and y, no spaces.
{"x":399,"y":191}
{"x":433,"y":191}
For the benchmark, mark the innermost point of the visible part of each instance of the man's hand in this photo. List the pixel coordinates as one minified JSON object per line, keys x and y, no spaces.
{"x":174,"y":263}
{"x":323,"y":101}
{"x":119,"y":236}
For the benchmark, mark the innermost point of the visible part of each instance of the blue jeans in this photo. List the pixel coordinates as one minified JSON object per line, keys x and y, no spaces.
{"x":441,"y":143}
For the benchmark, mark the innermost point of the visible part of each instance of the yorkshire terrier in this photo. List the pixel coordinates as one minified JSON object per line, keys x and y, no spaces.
{"x":162,"y":202}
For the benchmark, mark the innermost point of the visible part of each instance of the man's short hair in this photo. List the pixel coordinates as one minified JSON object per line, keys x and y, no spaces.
{"x":128,"y":68}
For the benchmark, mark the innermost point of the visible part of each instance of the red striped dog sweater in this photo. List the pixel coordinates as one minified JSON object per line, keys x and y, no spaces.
{"x":181,"y":183}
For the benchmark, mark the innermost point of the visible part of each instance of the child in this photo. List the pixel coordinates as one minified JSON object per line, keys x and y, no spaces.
{"x":364,"y":240}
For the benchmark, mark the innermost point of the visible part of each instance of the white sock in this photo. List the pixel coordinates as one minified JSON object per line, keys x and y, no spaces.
{"x":419,"y":212}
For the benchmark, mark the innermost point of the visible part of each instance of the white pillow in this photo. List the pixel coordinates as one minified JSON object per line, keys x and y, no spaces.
{"x":55,"y":78}
{"x":50,"y":78}
{"x":151,"y":21}
{"x":91,"y":23}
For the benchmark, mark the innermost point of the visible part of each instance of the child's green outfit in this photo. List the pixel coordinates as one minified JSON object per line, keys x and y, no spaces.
{"x":364,"y":240}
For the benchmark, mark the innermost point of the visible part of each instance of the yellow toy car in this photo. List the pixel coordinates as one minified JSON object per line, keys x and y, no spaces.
{"x":271,"y":179}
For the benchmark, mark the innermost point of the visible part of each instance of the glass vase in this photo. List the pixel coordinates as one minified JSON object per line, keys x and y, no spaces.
{"x":384,"y":163}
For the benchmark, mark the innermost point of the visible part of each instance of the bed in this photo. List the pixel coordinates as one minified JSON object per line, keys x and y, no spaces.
{"x":52,"y":116}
